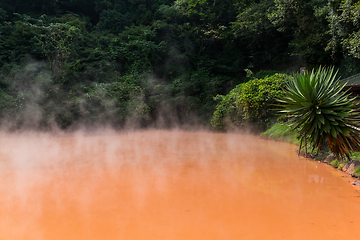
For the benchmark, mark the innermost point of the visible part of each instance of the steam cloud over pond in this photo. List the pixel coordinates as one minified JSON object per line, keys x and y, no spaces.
{"x":168,"y":185}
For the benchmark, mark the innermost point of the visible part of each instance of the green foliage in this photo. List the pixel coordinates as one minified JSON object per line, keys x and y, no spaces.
{"x":281,"y":132}
{"x":60,"y":43}
{"x":356,"y":172}
{"x":140,"y":12}
{"x":166,"y":54}
{"x":335,"y":163}
{"x":355,"y":156}
{"x":3,"y":15}
{"x":113,"y":102}
{"x":254,"y":29}
{"x":57,"y":39}
{"x":318,"y":108}
{"x":202,"y":30}
{"x":265,"y":73}
{"x":249,"y":102}
{"x":29,"y":97}
{"x":304,"y":24}
{"x":137,"y":48}
{"x":343,"y":19}
{"x":113,"y":21}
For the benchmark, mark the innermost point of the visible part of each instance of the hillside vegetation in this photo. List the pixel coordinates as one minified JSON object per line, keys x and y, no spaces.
{"x":161,"y":62}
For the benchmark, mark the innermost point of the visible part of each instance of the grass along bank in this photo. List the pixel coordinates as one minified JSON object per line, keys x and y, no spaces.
{"x":281,"y":132}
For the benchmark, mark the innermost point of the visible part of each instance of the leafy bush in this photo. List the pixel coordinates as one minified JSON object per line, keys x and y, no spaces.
{"x":249,"y":102}
{"x":335,"y":163}
{"x":355,"y":156}
{"x":356,"y":172}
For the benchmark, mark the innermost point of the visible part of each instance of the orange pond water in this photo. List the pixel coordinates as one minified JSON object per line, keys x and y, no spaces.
{"x":169,"y":185}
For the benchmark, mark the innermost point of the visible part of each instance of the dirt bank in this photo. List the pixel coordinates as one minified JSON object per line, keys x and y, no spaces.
{"x":348,"y":168}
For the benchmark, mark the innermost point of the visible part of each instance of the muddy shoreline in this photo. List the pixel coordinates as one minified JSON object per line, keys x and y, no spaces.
{"x":348,"y":168}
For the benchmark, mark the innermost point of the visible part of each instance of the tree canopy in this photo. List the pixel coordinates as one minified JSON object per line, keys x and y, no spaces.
{"x":164,"y":54}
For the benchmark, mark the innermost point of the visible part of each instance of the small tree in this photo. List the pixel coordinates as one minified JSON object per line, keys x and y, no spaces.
{"x":321,"y":110}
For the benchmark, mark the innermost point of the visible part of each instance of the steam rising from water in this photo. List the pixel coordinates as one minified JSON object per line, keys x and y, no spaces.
{"x":167,"y":185}
{"x":33,"y":99}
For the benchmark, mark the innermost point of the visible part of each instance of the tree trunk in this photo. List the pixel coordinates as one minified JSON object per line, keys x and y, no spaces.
{"x":300,"y":146}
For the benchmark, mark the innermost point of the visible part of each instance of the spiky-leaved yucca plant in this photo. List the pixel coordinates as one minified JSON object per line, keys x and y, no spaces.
{"x":321,"y":110}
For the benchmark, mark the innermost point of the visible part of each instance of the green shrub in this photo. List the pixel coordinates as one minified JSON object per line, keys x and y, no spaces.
{"x":356,"y":172}
{"x":249,"y":102}
{"x":355,"y":156}
{"x":335,"y":163}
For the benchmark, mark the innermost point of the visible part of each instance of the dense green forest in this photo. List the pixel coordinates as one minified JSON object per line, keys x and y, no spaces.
{"x":158,"y":62}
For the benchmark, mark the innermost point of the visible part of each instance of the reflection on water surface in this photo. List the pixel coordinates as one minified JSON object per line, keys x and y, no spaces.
{"x":168,"y":185}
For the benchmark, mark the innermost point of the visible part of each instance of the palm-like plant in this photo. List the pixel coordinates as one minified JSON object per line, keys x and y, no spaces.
{"x":320,"y":110}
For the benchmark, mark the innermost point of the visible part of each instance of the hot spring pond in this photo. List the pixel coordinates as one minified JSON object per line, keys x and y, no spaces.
{"x":162,"y":185}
